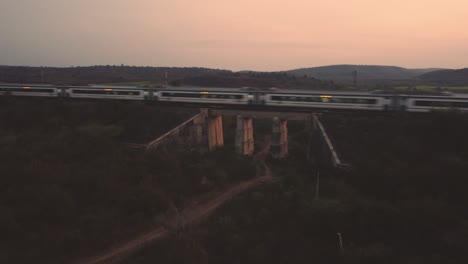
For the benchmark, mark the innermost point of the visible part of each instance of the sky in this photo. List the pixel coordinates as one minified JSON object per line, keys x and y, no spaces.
{"x":263,"y":35}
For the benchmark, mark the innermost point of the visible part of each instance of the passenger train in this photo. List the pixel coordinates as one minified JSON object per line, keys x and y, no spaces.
{"x":250,"y":96}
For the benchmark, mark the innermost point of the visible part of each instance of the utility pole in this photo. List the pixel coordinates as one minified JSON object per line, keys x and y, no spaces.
{"x":42,"y":75}
{"x":355,"y":78}
{"x":317,"y":185}
{"x":340,"y":242}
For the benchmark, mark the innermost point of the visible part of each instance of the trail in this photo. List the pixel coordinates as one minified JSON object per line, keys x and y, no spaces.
{"x":201,"y":207}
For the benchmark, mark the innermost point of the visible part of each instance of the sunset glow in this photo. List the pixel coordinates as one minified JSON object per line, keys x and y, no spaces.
{"x":236,"y":35}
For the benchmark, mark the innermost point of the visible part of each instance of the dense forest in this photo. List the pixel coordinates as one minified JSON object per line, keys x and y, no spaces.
{"x":403,"y":201}
{"x":70,"y":187}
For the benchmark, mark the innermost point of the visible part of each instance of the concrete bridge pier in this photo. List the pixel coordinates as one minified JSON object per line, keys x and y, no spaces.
{"x":279,"y":140}
{"x":244,"y":136}
{"x":215,"y":132}
{"x":198,"y":128}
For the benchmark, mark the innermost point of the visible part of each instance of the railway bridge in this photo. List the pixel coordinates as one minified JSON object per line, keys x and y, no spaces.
{"x":206,"y":129}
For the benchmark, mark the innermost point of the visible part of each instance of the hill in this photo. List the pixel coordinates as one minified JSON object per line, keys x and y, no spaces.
{"x":97,"y":74}
{"x":257,"y":79}
{"x":450,"y":77}
{"x":136,"y":75}
{"x":366,"y":72}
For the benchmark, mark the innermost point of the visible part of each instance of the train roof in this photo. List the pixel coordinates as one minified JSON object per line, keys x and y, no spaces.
{"x":26,"y":84}
{"x":274,"y":91}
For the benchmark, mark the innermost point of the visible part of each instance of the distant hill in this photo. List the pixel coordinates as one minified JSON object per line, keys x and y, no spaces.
{"x":135,"y":75}
{"x":325,"y":77}
{"x":257,"y":79}
{"x":448,"y":77}
{"x":99,"y":74}
{"x":364,"y":72}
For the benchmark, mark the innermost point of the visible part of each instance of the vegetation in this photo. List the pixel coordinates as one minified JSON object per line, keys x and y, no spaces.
{"x":364,"y":72}
{"x":428,"y":89}
{"x":369,"y":77}
{"x":448,"y":77}
{"x":97,"y":74}
{"x":403,"y":201}
{"x":69,"y":188}
{"x":145,"y":76}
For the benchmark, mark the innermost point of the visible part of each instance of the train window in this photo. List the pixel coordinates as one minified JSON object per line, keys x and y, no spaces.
{"x":343,"y":100}
{"x":31,"y":90}
{"x":314,"y":99}
{"x":338,"y":100}
{"x":127,"y":92}
{"x":90,"y":92}
{"x":107,"y":92}
{"x":207,"y":96}
{"x":277,"y":98}
{"x":447,"y":104}
{"x":191,"y":95}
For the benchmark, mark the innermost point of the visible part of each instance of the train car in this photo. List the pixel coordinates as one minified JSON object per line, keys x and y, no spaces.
{"x":327,"y":100}
{"x":106,"y":92}
{"x":251,"y":96}
{"x":29,"y":90}
{"x":415,"y":103}
{"x":206,"y":96}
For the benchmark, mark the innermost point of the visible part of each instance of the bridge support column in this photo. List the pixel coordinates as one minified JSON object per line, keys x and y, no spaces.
{"x":279,"y":142}
{"x":198,"y":129}
{"x":244,"y":136}
{"x":215,"y":132}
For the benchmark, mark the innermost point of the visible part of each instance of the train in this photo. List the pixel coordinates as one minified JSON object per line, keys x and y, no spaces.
{"x":273,"y":97}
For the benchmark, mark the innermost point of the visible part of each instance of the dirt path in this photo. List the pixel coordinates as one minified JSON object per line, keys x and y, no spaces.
{"x":200,"y":209}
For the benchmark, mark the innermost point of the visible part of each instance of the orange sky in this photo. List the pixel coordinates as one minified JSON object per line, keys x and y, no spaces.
{"x":237,"y":35}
